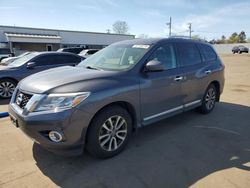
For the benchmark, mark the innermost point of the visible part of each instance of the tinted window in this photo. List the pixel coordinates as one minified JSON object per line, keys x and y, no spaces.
{"x":90,"y":52}
{"x":189,"y":54}
{"x":207,"y":52}
{"x":46,"y":60}
{"x":166,"y":55}
{"x":68,"y":59}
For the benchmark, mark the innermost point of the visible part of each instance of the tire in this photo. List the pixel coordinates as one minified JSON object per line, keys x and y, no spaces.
{"x":240,"y":52}
{"x":102,"y":140}
{"x":209,"y":100}
{"x":7,"y":87}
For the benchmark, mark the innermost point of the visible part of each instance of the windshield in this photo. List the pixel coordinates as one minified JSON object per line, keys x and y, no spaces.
{"x":116,"y":57}
{"x":22,"y":60}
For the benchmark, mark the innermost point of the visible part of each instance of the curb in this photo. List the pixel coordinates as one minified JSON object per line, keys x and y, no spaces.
{"x":4,"y":114}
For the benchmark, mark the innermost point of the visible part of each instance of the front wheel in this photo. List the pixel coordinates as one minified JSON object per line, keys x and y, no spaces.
{"x":209,"y":99}
{"x":109,"y":132}
{"x":7,"y":87}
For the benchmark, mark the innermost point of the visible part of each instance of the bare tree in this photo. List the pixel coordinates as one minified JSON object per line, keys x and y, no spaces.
{"x":120,"y":27}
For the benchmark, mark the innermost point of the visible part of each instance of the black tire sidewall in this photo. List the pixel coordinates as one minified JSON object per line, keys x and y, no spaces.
{"x":93,"y":145}
{"x":203,"y":107}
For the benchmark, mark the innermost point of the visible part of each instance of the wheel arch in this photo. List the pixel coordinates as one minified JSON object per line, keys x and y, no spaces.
{"x":217,"y":87}
{"x":9,"y":78}
{"x":124,"y":104}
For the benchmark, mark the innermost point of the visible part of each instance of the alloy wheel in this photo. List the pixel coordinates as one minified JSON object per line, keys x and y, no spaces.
{"x":113,"y":133}
{"x":6,"y":89}
{"x":210,"y":98}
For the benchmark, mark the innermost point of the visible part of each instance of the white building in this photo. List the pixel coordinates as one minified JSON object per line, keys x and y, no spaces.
{"x":20,"y":39}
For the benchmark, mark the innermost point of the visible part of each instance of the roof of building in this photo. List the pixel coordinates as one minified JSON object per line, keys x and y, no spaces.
{"x":59,"y":30}
{"x":32,"y":35}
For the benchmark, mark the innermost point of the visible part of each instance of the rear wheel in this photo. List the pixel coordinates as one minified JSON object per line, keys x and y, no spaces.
{"x":109,"y":132}
{"x":7,"y":87}
{"x":209,"y":99}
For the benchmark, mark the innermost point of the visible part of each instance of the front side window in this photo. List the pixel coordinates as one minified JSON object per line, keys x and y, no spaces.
{"x":188,"y":54}
{"x":46,"y":60}
{"x":166,"y":55}
{"x":116,"y":57}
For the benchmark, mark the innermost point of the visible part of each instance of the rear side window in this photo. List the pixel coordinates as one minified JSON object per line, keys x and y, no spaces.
{"x":68,"y":59}
{"x":166,"y":55}
{"x":188,"y":54}
{"x":207,"y":52}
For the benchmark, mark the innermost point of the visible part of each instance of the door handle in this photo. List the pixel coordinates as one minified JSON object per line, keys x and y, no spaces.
{"x":208,"y":71}
{"x":178,"y":78}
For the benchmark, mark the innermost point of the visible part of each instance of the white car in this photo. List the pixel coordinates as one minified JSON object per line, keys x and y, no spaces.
{"x":88,"y":52}
{"x":9,"y":60}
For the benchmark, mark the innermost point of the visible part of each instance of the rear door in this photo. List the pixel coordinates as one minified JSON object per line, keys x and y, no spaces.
{"x":194,"y":76}
{"x":161,"y":94}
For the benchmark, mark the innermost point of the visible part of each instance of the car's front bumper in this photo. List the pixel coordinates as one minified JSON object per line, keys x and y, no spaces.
{"x":71,"y":123}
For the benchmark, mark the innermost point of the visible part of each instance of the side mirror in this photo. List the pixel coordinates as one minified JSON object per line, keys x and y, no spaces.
{"x":155,"y":66}
{"x":31,"y":65}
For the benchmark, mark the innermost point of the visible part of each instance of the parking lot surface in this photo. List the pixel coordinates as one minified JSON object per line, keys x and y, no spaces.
{"x":188,"y":150}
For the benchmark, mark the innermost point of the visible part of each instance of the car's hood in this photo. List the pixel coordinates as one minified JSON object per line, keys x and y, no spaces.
{"x":5,"y":68}
{"x":62,"y":79}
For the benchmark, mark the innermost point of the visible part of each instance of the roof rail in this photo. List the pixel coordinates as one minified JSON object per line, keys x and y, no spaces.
{"x":180,"y":37}
{"x":186,"y":37}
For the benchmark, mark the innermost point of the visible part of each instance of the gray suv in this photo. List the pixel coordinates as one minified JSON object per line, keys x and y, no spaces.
{"x":125,"y":86}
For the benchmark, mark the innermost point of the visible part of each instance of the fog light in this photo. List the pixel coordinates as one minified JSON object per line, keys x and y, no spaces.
{"x":55,"y":136}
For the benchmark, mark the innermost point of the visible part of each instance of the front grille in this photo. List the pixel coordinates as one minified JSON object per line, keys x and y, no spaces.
{"x":22,"y":99}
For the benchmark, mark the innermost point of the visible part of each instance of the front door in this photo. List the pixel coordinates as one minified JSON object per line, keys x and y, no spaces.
{"x":161,"y":94}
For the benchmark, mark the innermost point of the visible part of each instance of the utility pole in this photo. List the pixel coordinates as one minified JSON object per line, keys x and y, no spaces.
{"x":169,"y":26}
{"x":190,"y":29}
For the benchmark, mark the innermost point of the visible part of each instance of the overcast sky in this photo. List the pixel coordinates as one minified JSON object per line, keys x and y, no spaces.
{"x":209,"y":18}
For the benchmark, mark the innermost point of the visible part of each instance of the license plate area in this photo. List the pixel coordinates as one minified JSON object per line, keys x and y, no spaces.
{"x":14,"y":120}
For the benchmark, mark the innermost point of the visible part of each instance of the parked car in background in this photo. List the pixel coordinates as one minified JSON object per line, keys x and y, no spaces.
{"x":240,"y":49}
{"x":88,"y":52}
{"x":9,"y":60}
{"x":5,"y":53}
{"x":74,"y":50}
{"x":124,"y":86}
{"x":32,"y":63}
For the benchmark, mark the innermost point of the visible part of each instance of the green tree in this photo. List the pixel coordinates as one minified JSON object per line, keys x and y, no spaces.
{"x":223,"y":39}
{"x":120,"y":27}
{"x":197,"y":37}
{"x":242,"y":37}
{"x":234,"y":38}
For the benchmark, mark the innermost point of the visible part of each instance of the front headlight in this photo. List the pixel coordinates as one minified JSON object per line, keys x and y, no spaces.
{"x":56,"y":102}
